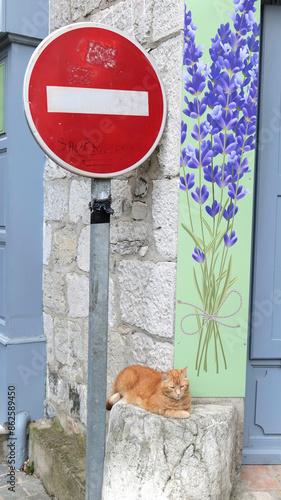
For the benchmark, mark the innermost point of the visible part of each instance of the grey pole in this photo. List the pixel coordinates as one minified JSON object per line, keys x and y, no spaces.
{"x":98,"y":327}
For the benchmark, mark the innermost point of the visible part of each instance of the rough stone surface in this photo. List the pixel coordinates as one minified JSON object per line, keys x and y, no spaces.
{"x":150,"y":352}
{"x":59,"y":460}
{"x":78,"y":295}
{"x":49,"y":334}
{"x":47,"y":245}
{"x":146,"y":290}
{"x":60,"y":14}
{"x":54,"y":171}
{"x":80,"y":195}
{"x":65,"y":245}
{"x":149,"y":456}
{"x":141,"y":188}
{"x":165,"y":216}
{"x":168,"y":57}
{"x":56,"y":196}
{"x":54,"y":291}
{"x":139,"y":211}
{"x":128,"y":237}
{"x":119,"y":15}
{"x":83,"y":251}
{"x":121,"y":195}
{"x":167,"y":19}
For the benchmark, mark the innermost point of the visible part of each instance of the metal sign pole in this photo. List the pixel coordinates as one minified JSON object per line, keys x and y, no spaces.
{"x":98,"y":328}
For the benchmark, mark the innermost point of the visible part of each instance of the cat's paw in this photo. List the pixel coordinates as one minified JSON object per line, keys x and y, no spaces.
{"x":184,"y":414}
{"x":177,"y":413}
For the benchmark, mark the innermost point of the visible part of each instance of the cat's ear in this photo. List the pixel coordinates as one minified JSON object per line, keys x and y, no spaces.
{"x":165,"y":376}
{"x":183,"y":371}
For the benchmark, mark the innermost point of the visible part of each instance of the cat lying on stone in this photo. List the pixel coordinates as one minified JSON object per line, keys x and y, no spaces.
{"x":165,"y":393}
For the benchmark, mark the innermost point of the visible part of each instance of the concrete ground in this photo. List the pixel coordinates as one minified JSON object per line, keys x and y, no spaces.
{"x":27,"y":486}
{"x":257,"y":482}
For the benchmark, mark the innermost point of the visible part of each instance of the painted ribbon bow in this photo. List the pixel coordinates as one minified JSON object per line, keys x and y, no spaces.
{"x":211,"y":317}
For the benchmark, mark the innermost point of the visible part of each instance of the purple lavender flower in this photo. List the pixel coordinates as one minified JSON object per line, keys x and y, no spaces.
{"x":224,"y":145}
{"x":232,"y":62}
{"x":196,"y":85}
{"x":196,"y":108}
{"x":224,"y":31}
{"x":256,"y":30}
{"x":207,"y":127}
{"x":222,"y":183}
{"x":250,"y":111}
{"x":187,"y":183}
{"x":253,"y":44}
{"x":227,"y":83}
{"x":214,"y":209}
{"x":245,"y":128}
{"x":200,"y":197}
{"x":212,"y":125}
{"x":215,"y":73}
{"x":227,"y":103}
{"x":210,"y":173}
{"x":239,"y":5}
{"x":227,"y":120}
{"x":243,"y":53}
{"x":236,"y":194}
{"x":241,"y":169}
{"x":190,"y":31}
{"x":197,"y":134}
{"x":232,"y":157}
{"x":191,"y":52}
{"x":247,"y":145}
{"x":237,"y":82}
{"x":188,"y":23}
{"x":229,"y":170}
{"x":206,"y":156}
{"x":183,"y":131}
{"x":188,"y":152}
{"x":228,"y":212}
{"x":229,"y":242}
{"x":198,"y":256}
{"x":216,"y":113}
{"x":240,"y":24}
{"x":229,"y":90}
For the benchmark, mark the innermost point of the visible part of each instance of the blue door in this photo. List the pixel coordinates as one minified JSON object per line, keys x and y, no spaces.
{"x":262,"y":432}
{"x":22,"y":343}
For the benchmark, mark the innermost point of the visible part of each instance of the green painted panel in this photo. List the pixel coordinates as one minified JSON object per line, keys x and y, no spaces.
{"x":221,"y":52}
{"x":2,"y":98}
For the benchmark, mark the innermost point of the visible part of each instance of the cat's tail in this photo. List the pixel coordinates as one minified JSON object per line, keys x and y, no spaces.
{"x":112,"y":399}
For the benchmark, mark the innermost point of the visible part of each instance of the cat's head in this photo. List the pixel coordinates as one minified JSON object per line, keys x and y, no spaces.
{"x":174,"y":383}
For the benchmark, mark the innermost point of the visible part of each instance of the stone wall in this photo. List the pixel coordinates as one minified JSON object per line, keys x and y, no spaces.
{"x":143,"y":228}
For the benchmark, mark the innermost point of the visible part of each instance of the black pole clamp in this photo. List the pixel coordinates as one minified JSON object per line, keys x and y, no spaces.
{"x":101,"y":211}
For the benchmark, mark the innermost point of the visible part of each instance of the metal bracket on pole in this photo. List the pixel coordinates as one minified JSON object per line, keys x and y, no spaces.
{"x":98,"y":327}
{"x":101,"y":211}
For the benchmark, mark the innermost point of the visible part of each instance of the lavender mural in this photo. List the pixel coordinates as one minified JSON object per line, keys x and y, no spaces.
{"x":221,"y":99}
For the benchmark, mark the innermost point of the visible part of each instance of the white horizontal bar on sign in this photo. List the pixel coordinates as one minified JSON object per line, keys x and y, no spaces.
{"x":97,"y":101}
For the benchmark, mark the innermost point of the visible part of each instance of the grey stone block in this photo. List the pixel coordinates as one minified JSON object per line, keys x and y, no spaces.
{"x":149,"y":456}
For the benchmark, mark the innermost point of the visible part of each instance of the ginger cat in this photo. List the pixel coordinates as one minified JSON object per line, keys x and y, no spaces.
{"x":165,"y":393}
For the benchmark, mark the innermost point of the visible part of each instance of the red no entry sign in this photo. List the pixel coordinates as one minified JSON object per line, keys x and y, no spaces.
{"x":94,"y":100}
